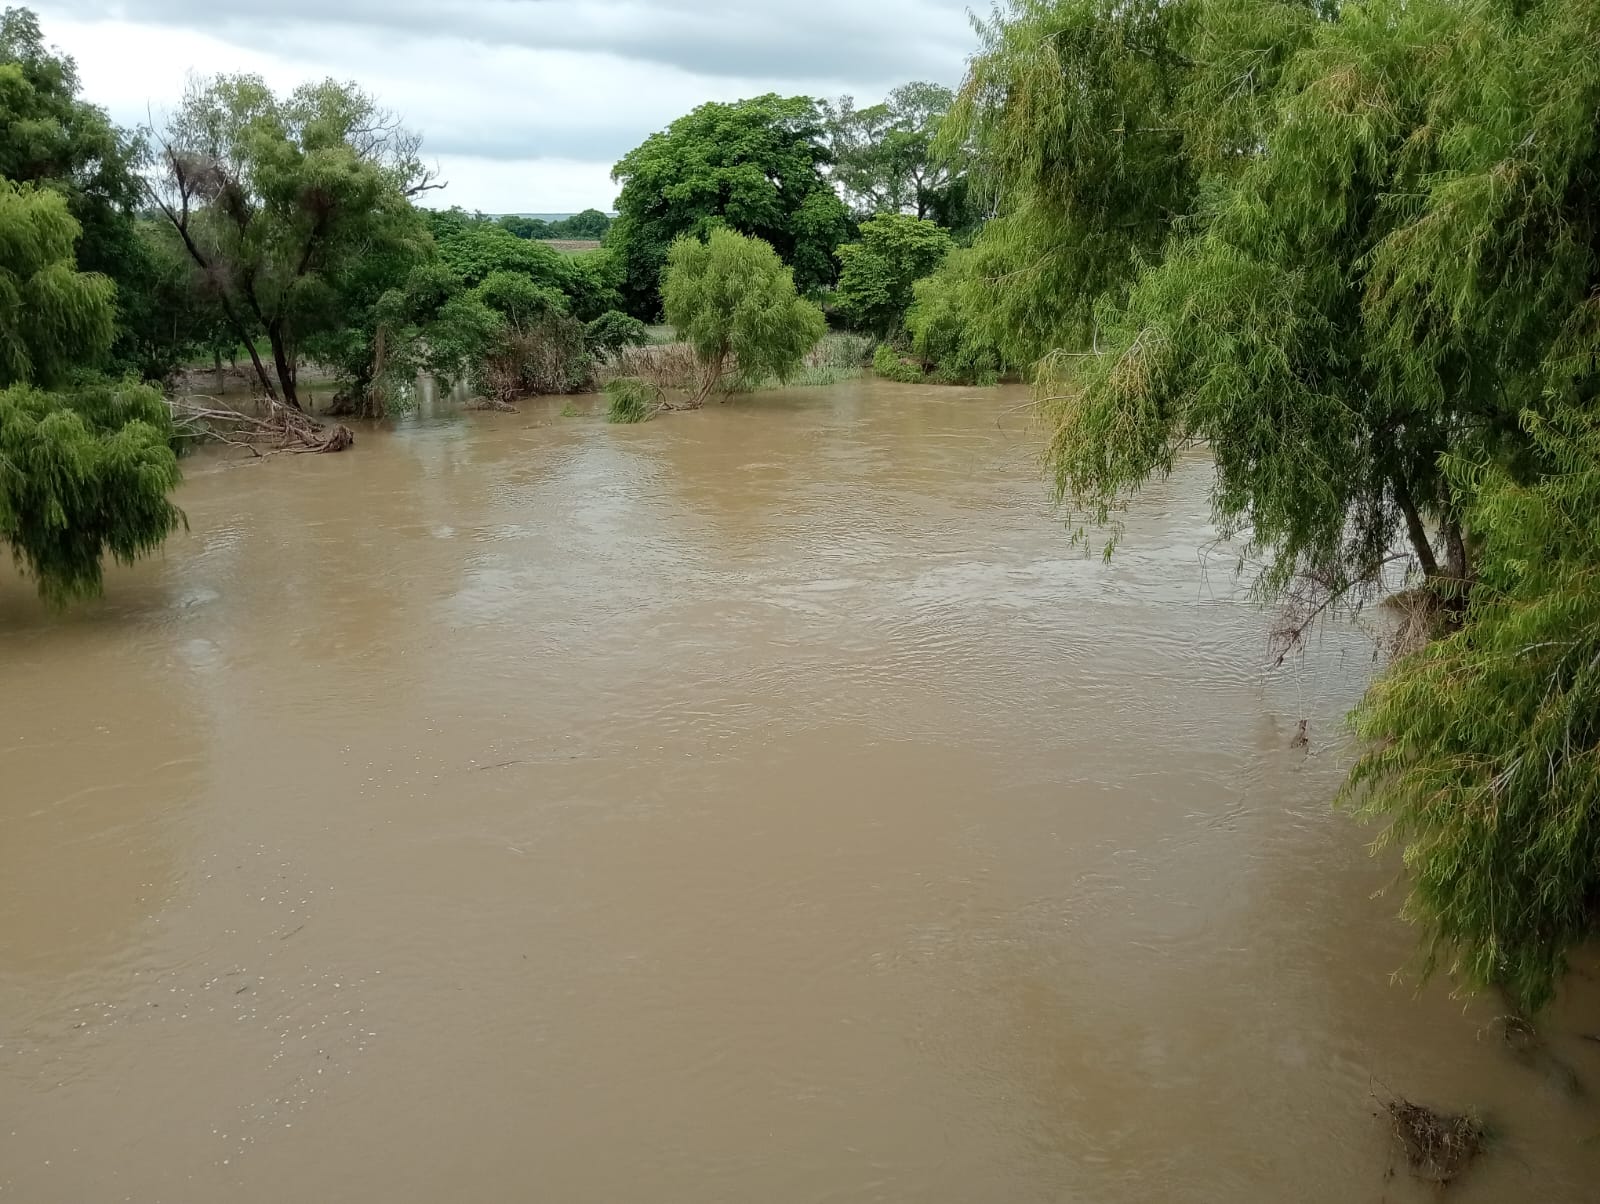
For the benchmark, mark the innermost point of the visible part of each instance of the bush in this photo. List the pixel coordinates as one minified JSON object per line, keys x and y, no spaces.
{"x":547,"y":356}
{"x":875,"y":285}
{"x":631,"y":399}
{"x":948,"y":325}
{"x":614,"y":330}
{"x":891,"y":365}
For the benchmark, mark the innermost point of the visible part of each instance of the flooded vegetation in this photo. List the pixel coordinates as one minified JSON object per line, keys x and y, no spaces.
{"x":1034,"y":640}
{"x":766,"y":803}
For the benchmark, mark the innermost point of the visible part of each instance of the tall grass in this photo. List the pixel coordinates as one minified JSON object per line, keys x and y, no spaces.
{"x":631,"y":399}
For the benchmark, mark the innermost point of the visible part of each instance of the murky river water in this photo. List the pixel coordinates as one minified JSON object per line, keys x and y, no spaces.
{"x":764,"y":804}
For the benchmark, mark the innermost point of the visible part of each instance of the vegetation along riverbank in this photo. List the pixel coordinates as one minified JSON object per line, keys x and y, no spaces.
{"x":1351,"y":249}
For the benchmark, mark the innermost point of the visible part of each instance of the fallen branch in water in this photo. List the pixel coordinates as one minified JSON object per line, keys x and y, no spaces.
{"x":279,"y":429}
{"x":1438,"y":1145}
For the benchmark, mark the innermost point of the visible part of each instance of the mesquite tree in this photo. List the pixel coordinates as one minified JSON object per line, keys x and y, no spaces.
{"x":279,"y":200}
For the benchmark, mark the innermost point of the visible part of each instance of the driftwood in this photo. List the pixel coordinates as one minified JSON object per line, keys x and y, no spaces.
{"x":1438,"y":1146}
{"x":276,"y":428}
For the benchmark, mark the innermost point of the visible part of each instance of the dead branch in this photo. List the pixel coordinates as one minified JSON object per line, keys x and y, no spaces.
{"x":279,"y":429}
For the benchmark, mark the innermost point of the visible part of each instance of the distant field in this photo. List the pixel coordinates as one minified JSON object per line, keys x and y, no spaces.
{"x":573,"y":245}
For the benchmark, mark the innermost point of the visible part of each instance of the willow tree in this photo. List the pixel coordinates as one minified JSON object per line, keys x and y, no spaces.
{"x":734,"y":302}
{"x":86,"y":472}
{"x":1378,"y":280}
{"x":280,"y":202}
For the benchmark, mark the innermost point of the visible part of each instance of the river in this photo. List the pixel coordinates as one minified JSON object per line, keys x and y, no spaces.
{"x":762,"y":804}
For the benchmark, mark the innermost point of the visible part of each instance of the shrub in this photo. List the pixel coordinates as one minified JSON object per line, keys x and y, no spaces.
{"x":631,"y":399}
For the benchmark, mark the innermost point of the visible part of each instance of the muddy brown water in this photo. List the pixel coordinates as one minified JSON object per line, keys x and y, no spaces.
{"x":761,"y":804}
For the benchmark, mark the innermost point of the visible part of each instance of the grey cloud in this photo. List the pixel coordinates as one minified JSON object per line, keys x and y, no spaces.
{"x":518,"y":141}
{"x":864,"y":42}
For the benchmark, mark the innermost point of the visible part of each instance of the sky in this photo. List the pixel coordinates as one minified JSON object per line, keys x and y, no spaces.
{"x":524,"y":105}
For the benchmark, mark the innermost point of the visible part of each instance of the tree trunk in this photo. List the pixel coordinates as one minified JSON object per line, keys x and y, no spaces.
{"x":285,"y":366}
{"x":216,"y":360}
{"x":1414,"y":528}
{"x":261,"y":369}
{"x":1457,"y":566}
{"x":713,"y":375}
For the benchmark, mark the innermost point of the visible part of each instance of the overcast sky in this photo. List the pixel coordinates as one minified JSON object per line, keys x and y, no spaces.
{"x":524,"y":104}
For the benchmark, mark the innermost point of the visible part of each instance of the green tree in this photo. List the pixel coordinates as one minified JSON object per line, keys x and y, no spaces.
{"x":755,"y":166}
{"x":889,"y":158}
{"x":613,"y":331}
{"x":526,"y":227}
{"x":85,"y":473}
{"x":1367,"y":284}
{"x":734,"y":302}
{"x":1484,"y":746}
{"x":875,"y":285}
{"x":591,"y":223}
{"x":277,"y":200}
{"x":51,"y":137}
{"x":475,"y":248}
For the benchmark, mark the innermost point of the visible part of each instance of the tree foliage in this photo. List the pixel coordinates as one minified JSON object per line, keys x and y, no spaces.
{"x":1356,"y":253}
{"x":889,"y":158}
{"x":590,"y":224}
{"x":82,"y":473}
{"x":734,"y":302}
{"x":1484,"y":748}
{"x":279,"y":200}
{"x":53,"y":318}
{"x":875,"y":285}
{"x":755,"y":166}
{"x":613,"y":331}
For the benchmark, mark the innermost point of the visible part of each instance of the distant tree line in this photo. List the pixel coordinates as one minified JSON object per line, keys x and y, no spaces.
{"x":590,"y":225}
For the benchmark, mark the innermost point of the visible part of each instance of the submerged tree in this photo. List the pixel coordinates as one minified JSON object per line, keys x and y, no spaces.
{"x":82,"y":473}
{"x":734,"y":302}
{"x":754,"y":166}
{"x":277,"y":200}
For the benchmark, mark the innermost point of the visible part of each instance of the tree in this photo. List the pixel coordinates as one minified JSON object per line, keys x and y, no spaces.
{"x":86,"y":473}
{"x":591,"y":223}
{"x":276,"y":199}
{"x":613,"y":331}
{"x":476,"y":248}
{"x":875,"y":285}
{"x":1482,"y":747}
{"x":526,"y":227}
{"x":734,"y":302}
{"x":51,"y":137}
{"x":1357,"y":258}
{"x":755,"y":166}
{"x":888,"y":157}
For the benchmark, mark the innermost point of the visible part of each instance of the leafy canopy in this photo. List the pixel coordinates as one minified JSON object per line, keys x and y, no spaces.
{"x":53,"y":318}
{"x":889,"y":158}
{"x":875,"y":284}
{"x":734,"y":302}
{"x":755,"y":166}
{"x":86,"y":473}
{"x":1356,"y":254}
{"x":279,"y":202}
